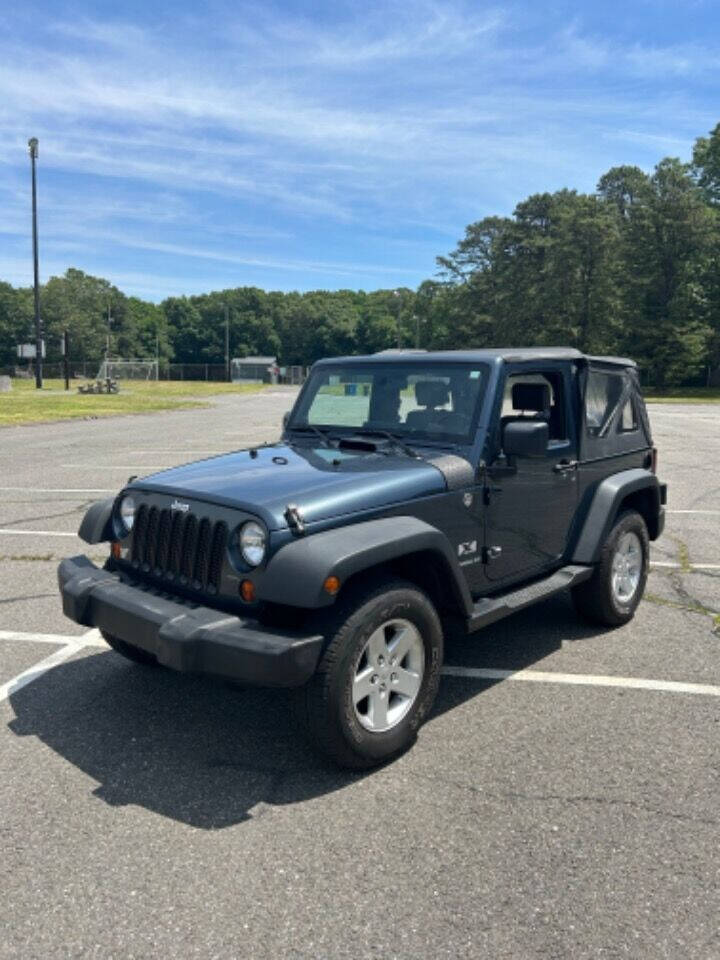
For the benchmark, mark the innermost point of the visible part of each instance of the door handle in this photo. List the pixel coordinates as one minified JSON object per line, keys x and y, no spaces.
{"x":564,"y":466}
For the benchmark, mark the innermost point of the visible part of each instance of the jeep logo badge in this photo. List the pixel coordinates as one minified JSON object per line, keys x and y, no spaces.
{"x":177,"y":505}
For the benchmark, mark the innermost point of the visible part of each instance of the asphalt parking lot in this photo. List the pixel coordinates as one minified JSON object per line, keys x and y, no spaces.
{"x":562,"y":801}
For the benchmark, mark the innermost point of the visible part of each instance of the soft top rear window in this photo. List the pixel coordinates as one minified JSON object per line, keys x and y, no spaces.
{"x":611,"y":405}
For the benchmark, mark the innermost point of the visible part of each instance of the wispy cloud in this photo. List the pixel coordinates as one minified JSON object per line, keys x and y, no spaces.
{"x":333,"y":144}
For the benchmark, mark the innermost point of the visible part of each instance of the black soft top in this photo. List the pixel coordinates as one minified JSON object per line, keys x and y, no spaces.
{"x":511,"y":354}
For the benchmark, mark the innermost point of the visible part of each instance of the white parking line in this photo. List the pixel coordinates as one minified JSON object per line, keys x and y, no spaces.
{"x":583,"y":680}
{"x":62,"y":638}
{"x":711,"y":513}
{"x":181,"y":450}
{"x":37,"y":671}
{"x":5,"y":532}
{"x":29,"y":489}
{"x":36,"y":533}
{"x":72,"y":645}
{"x":93,"y":639}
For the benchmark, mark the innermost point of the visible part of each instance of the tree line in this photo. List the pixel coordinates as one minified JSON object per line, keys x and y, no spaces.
{"x":631,"y":269}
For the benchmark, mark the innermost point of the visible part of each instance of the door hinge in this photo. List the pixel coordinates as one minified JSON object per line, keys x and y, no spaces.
{"x":488,"y":492}
{"x":491,"y":553}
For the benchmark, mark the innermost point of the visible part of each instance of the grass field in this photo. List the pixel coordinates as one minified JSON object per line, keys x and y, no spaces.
{"x":24,"y":404}
{"x":685,"y":395}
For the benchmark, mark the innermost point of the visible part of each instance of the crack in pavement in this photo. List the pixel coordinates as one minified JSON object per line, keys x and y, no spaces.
{"x":85,"y":505}
{"x":32,"y":596}
{"x":571,"y":798}
{"x":686,"y":600}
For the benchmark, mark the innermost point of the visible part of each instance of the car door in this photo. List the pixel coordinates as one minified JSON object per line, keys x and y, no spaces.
{"x":531,"y":501}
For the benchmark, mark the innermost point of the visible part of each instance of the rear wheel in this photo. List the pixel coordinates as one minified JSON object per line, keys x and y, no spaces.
{"x":128,"y":651}
{"x":378,"y":676}
{"x":611,"y":596}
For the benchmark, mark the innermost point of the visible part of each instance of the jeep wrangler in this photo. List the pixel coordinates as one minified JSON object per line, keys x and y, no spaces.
{"x":411,"y":494}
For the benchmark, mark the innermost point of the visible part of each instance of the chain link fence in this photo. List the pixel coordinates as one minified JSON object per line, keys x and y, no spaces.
{"x":209,"y":372}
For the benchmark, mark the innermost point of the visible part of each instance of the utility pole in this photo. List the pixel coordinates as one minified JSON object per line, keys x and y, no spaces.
{"x":107,"y":345}
{"x":66,"y":358}
{"x":33,"y":145}
{"x":227,"y":344}
{"x":398,"y":301}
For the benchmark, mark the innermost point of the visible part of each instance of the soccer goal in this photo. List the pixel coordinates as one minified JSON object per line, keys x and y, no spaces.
{"x":128,"y":370}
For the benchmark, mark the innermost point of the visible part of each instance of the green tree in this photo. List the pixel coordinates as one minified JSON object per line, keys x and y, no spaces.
{"x":667,"y":250}
{"x":16,"y":321}
{"x":706,"y":165}
{"x":79,"y":303}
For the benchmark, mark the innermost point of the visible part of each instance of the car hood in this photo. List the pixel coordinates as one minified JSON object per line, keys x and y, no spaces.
{"x":323,"y":482}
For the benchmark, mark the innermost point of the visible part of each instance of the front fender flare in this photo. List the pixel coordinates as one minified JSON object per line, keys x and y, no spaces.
{"x":97,"y":526}
{"x":296,"y":573}
{"x":604,"y":508}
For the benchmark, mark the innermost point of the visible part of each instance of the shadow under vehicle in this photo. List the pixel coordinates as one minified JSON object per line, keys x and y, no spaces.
{"x":204,"y":753}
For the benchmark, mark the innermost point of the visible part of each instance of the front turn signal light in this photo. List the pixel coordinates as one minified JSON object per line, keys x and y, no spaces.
{"x":331,"y":585}
{"x":247,"y":591}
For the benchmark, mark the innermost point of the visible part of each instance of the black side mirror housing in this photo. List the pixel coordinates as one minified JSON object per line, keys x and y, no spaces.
{"x":286,"y":417}
{"x":526,"y":438}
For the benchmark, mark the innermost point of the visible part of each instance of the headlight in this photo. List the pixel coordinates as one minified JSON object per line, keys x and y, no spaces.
{"x":252,"y":543}
{"x":127,"y":512}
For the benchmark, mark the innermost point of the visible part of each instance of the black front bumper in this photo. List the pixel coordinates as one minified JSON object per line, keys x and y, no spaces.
{"x":184,"y":637}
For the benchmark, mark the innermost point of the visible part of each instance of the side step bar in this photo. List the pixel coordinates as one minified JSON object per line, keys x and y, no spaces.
{"x":489,"y":609}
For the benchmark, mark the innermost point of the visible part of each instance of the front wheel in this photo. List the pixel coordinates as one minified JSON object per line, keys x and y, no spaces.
{"x":611,"y":596}
{"x":378,"y":676}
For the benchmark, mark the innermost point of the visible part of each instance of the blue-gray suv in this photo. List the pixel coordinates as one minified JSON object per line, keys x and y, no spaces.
{"x":411,"y":494}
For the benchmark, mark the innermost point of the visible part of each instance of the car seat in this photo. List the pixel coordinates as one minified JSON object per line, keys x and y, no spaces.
{"x":429,"y":395}
{"x":532,"y":399}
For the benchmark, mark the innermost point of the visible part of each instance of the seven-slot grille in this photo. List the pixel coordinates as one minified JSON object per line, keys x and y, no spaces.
{"x":179,"y":546}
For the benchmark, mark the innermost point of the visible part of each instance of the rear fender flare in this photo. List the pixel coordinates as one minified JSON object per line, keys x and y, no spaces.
{"x":605,"y":506}
{"x":296,"y":573}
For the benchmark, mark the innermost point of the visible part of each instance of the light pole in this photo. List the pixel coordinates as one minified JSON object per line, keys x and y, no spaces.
{"x":33,"y":145}
{"x":107,"y":340}
{"x":227,"y":344}
{"x":398,"y":302}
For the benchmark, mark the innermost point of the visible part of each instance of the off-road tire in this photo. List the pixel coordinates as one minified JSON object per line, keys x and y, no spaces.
{"x":324,"y":705}
{"x":128,"y":651}
{"x":595,"y":599}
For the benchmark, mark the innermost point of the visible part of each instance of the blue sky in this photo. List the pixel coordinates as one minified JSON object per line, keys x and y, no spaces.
{"x":189,"y":147}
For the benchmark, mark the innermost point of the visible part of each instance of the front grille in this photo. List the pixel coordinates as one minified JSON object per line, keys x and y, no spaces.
{"x":178,"y":546}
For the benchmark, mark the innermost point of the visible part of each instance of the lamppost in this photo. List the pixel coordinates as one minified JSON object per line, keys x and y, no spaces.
{"x":107,"y":338}
{"x":398,"y":309}
{"x":227,"y":344}
{"x":33,"y":145}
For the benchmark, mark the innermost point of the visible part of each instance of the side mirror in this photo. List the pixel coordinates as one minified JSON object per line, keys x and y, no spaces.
{"x":286,"y":417}
{"x":526,"y":438}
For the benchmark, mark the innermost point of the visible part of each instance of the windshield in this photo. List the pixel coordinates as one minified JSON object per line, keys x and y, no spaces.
{"x":419,"y":401}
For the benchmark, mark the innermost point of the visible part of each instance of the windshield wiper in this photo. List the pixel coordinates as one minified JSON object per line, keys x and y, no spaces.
{"x":396,"y":441}
{"x":313,"y":429}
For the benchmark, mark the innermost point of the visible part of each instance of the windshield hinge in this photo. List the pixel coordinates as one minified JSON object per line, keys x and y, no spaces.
{"x":294,"y":518}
